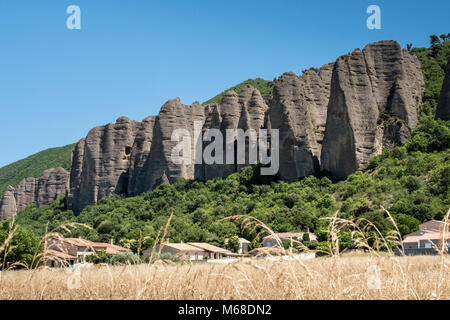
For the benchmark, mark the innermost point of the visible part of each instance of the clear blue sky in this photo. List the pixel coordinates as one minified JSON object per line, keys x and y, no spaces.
{"x":131,"y":56}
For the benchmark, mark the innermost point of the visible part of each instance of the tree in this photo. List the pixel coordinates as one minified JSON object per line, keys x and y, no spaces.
{"x":21,"y":248}
{"x":124,"y":258}
{"x":306,"y":237}
{"x":443,"y":37}
{"x":434,"y":40}
{"x":99,"y":257}
{"x":406,"y":224}
{"x":233,"y":244}
{"x":409,"y":46}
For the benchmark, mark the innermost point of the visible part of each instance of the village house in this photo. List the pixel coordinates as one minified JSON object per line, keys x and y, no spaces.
{"x":427,"y":239}
{"x":212,"y":252}
{"x":243,"y":246}
{"x":270,"y":241}
{"x":70,"y":251}
{"x":182,"y":250}
{"x":193,"y":251}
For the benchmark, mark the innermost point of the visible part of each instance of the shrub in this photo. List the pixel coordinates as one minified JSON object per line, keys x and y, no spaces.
{"x":99,"y":257}
{"x":125,"y":258}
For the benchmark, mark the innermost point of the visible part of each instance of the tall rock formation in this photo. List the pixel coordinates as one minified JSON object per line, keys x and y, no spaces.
{"x":443,"y":108}
{"x":130,"y":157}
{"x":8,"y":208}
{"x":246,"y":110}
{"x":140,"y":156}
{"x":53,"y":184}
{"x":25,"y":193}
{"x":299,"y":109}
{"x":101,"y":163}
{"x":156,"y":165}
{"x":380,"y":80}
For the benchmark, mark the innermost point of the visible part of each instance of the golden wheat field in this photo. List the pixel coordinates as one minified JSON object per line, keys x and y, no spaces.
{"x":341,"y":277}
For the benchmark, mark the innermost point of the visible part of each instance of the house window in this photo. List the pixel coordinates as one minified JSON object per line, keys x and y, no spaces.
{"x":427,"y":245}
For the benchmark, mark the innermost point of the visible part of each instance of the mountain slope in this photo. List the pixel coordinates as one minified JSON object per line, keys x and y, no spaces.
{"x":34,"y":165}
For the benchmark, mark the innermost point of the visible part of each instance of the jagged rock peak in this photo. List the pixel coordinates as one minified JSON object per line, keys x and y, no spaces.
{"x":298,"y":111}
{"x":25,"y":193}
{"x":8,"y":208}
{"x":100,"y":163}
{"x":380,"y":79}
{"x":53,"y":184}
{"x":244,"y":110}
{"x":50,"y":186}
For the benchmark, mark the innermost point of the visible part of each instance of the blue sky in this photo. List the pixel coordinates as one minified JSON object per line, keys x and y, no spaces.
{"x":131,"y":56}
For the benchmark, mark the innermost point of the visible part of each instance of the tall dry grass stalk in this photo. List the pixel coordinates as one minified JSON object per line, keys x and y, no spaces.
{"x":345,"y":277}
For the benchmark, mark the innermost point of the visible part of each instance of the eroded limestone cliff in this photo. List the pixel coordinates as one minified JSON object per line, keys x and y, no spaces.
{"x":333,"y":119}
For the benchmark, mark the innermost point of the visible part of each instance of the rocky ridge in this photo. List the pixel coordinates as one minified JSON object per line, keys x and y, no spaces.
{"x":49,"y":187}
{"x":333,"y":119}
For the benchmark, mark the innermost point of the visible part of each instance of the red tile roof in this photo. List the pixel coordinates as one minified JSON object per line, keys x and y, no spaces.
{"x":59,"y":254}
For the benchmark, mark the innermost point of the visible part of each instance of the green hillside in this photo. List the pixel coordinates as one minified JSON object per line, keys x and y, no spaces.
{"x":411,"y":181}
{"x":34,"y":165}
{"x":264,"y":86}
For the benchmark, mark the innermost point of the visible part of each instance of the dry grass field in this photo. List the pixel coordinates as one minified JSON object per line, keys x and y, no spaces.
{"x":339,"y":277}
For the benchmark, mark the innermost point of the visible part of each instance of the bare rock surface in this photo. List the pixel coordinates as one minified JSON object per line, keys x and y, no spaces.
{"x":25,"y":193}
{"x":299,"y":110}
{"x":8,"y":208}
{"x":382,"y":79}
{"x":246,"y":110}
{"x":53,"y":184}
{"x":101,"y":162}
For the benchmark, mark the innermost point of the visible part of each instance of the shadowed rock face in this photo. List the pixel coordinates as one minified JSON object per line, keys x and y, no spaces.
{"x":101,"y":163}
{"x":382,"y":78}
{"x":298,"y":109}
{"x":131,"y":157}
{"x":333,"y":119}
{"x":140,"y":156}
{"x":159,"y":166}
{"x":245,"y":111}
{"x":443,"y":108}
{"x":8,"y":206}
{"x":25,"y":193}
{"x":53,"y":184}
